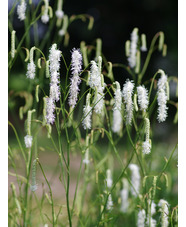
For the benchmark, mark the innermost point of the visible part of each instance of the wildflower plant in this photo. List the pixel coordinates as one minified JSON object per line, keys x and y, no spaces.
{"x":75,"y":109}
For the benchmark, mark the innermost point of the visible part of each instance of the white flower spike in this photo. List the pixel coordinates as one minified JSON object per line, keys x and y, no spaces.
{"x":142,"y":97}
{"x":117,"y":117}
{"x":75,"y":79}
{"x":133,"y":48}
{"x":127,"y":95}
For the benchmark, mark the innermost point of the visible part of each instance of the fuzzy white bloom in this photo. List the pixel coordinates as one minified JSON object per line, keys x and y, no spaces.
{"x":141,"y":218}
{"x":152,"y":212}
{"x":124,"y":196}
{"x":50,"y":108}
{"x":59,"y":14}
{"x":75,"y":79}
{"x":31,"y":70}
{"x":54,"y":59}
{"x":109,"y":179}
{"x":143,"y":100}
{"x":117,"y":118}
{"x":135,"y":179}
{"x":133,"y":48}
{"x":127,"y":95}
{"x":164,"y":208}
{"x":28,"y":141}
{"x":162,"y":97}
{"x":109,"y":203}
{"x":146,"y":147}
{"x":21,"y":9}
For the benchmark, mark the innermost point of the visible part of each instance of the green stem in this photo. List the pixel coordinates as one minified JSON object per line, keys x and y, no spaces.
{"x":50,"y":191}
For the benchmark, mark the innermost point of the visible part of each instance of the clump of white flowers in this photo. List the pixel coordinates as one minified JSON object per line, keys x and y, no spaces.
{"x":133,"y":48}
{"x":143,"y":100}
{"x":164,"y":208}
{"x":124,"y":196}
{"x":127,"y":95}
{"x":31,"y":67}
{"x":135,"y":179}
{"x":141,"y":218}
{"x":75,"y":79}
{"x":117,"y":117}
{"x":162,"y":97}
{"x":21,"y":9}
{"x":54,"y":60}
{"x":87,"y":113}
{"x":45,"y":16}
{"x":147,"y":144}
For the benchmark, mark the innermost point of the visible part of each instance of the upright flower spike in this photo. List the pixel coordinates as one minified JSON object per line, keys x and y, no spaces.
{"x":164,"y":208}
{"x":87,"y":113}
{"x":75,"y":79}
{"x":50,"y":108}
{"x":96,"y":82}
{"x":54,"y":60}
{"x":141,"y":218}
{"x":162,"y":97}
{"x":124,"y":196}
{"x":133,"y":48}
{"x":135,"y":179}
{"x":127,"y":95}
{"x":13,"y":44}
{"x":21,"y":9}
{"x":147,"y":145}
{"x":31,"y":67}
{"x":45,"y":16}
{"x":117,"y":117}
{"x":28,"y":141}
{"x":143,"y":100}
